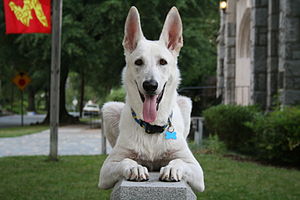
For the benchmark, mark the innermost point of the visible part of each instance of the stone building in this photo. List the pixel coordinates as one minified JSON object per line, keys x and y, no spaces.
{"x":259,"y":52}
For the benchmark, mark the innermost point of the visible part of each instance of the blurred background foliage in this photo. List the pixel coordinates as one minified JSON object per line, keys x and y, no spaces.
{"x":92,"y":52}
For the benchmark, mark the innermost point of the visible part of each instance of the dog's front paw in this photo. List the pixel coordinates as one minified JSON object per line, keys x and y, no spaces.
{"x":135,"y":172}
{"x":172,"y":172}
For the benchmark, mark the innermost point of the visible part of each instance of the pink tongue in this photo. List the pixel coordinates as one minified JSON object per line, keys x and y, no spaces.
{"x":149,"y":108}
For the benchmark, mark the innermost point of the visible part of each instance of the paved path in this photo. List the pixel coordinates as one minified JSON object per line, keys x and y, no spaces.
{"x":72,"y":140}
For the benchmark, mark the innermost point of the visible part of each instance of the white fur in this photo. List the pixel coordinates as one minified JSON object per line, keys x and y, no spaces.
{"x":135,"y":152}
{"x":111,"y":113}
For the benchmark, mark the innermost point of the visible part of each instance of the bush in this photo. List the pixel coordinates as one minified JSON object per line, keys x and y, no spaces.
{"x":278,"y":136}
{"x":116,"y":95}
{"x":213,"y":145}
{"x":209,"y":145}
{"x":229,"y":123}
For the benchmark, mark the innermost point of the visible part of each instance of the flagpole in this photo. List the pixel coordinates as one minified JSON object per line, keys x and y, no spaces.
{"x":55,"y":76}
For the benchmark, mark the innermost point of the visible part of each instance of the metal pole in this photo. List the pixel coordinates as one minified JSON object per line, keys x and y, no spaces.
{"x":22,"y":114}
{"x":198,"y":126}
{"x":55,"y":76}
{"x":103,"y":141}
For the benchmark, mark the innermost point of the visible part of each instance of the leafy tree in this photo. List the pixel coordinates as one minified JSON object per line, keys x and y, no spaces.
{"x":197,"y":59}
{"x":92,"y":36}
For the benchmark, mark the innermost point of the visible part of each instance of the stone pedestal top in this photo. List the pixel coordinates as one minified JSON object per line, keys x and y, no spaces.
{"x":153,"y":189}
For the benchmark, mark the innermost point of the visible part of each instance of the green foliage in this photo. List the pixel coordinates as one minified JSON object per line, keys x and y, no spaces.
{"x":73,"y":92}
{"x":116,"y":95}
{"x":212,"y":144}
{"x":273,"y":137}
{"x":197,"y":60}
{"x":92,"y":34}
{"x":229,"y":123}
{"x":278,"y":135}
{"x":15,"y":106}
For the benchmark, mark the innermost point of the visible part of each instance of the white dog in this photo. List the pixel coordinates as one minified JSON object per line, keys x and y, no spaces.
{"x":149,"y":131}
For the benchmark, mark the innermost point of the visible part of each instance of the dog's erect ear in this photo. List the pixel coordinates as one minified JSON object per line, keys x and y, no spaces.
{"x":171,"y":34}
{"x":133,"y":31}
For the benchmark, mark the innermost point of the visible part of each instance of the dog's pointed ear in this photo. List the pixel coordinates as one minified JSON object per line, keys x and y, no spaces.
{"x":133,"y":31}
{"x":171,"y":34}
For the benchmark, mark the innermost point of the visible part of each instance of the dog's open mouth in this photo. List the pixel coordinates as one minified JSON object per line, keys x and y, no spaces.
{"x":151,"y":105}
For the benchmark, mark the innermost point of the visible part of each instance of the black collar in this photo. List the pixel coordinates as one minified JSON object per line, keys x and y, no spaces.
{"x":149,"y":128}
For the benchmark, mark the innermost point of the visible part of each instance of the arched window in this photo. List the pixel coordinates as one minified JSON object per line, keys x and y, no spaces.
{"x":244,"y":36}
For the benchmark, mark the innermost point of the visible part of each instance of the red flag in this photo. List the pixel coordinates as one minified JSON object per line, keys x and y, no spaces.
{"x":27,"y":16}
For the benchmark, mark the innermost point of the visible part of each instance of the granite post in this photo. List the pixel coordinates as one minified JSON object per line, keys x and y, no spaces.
{"x":153,"y":189}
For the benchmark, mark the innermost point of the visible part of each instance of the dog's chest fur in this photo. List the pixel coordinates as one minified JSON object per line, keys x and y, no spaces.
{"x":153,"y":164}
{"x":150,"y":150}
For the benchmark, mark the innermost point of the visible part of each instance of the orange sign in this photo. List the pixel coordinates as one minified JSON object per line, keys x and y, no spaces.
{"x":21,"y":80}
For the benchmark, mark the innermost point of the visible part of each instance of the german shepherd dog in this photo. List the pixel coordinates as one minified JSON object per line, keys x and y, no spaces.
{"x":149,"y":131}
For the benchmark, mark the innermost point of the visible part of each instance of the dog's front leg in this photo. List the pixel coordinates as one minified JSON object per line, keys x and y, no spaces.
{"x":113,"y":171}
{"x":178,"y":169}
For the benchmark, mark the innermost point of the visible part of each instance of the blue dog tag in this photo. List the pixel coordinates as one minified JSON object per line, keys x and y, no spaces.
{"x":170,"y":133}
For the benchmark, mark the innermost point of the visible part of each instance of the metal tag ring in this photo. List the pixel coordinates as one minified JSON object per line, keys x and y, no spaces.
{"x":171,"y":129}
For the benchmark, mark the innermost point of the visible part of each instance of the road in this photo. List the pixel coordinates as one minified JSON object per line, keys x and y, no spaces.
{"x":15,"y":120}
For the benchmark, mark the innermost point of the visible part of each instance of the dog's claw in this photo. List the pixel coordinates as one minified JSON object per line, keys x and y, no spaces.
{"x":170,"y":174}
{"x":137,"y":173}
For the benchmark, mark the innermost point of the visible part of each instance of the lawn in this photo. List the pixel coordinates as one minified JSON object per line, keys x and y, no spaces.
{"x":19,"y":131}
{"x":89,"y":119}
{"x":76,"y":177}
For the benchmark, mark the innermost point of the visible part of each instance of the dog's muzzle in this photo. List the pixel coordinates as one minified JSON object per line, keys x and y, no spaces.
{"x":151,"y":99}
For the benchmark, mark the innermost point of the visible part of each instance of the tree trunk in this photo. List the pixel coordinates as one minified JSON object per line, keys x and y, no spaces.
{"x":12,"y":98}
{"x":82,"y":84}
{"x":64,"y":116}
{"x":31,"y":100}
{"x":47,"y":99}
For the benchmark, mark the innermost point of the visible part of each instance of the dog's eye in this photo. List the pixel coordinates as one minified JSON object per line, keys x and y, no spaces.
{"x":139,"y":62}
{"x":163,"y":61}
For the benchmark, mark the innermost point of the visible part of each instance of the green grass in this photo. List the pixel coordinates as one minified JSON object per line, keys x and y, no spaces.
{"x":19,"y":131}
{"x":229,"y":179}
{"x":76,"y":177}
{"x":73,"y":177}
{"x":88,"y":119}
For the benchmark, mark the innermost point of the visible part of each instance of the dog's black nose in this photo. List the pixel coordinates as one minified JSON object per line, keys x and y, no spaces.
{"x":150,"y":86}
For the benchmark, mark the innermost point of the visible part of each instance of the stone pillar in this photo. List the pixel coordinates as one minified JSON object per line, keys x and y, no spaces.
{"x":229,"y":57}
{"x":258,"y":37}
{"x":243,"y":61}
{"x":221,"y":55}
{"x":272,"y":61}
{"x":289,"y":52}
{"x":153,"y":189}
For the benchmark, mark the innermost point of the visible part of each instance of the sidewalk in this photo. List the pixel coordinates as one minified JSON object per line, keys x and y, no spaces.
{"x":72,"y":140}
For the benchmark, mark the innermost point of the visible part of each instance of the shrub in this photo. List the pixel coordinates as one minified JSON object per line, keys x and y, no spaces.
{"x":209,"y":145}
{"x":278,"y":136}
{"x":213,"y":145}
{"x":229,"y":123}
{"x":116,"y":95}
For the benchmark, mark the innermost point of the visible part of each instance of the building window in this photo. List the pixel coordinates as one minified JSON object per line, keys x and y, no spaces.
{"x":244,"y":36}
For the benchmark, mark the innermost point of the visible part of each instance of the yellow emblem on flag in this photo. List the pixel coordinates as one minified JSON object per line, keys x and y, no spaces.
{"x":23,"y":14}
